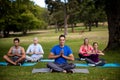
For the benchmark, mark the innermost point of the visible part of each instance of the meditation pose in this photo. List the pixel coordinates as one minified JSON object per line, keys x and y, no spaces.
{"x":61,"y":53}
{"x":94,"y":56}
{"x":34,"y":52}
{"x":85,"y":50}
{"x":16,"y":54}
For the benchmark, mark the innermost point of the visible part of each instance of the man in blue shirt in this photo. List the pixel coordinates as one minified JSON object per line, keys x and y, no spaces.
{"x":61,"y":53}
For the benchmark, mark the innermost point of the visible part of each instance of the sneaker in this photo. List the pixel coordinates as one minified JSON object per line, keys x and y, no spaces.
{"x":71,"y":71}
{"x":98,"y":62}
{"x":18,"y":64}
{"x":82,"y":59}
{"x":64,"y":71}
{"x":29,"y":61}
{"x":91,"y":64}
{"x":37,"y":60}
{"x":51,"y":70}
{"x":9,"y":64}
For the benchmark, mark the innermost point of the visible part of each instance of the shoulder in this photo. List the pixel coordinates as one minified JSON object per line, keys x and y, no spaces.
{"x":56,"y":47}
{"x":38,"y":44}
{"x":90,"y":45}
{"x":82,"y":46}
{"x":21,"y":47}
{"x":12,"y":47}
{"x":67,"y":47}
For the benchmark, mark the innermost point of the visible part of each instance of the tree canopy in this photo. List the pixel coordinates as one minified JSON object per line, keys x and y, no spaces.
{"x":21,"y":15}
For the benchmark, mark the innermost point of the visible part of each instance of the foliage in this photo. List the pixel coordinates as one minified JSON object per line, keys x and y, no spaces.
{"x":21,"y":15}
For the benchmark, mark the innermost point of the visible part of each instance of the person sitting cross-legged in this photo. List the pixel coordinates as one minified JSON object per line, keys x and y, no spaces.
{"x":85,"y":50}
{"x":16,"y":54}
{"x":94,"y":59}
{"x":34,"y":52}
{"x":61,"y":53}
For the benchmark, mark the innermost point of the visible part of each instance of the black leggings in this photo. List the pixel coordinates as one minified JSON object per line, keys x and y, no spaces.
{"x":81,"y":56}
{"x":101,"y":62}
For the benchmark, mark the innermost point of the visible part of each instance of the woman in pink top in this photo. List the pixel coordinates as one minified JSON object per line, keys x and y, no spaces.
{"x":85,"y":49}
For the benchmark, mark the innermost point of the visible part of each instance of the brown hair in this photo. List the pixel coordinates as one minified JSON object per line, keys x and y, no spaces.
{"x":16,"y":39}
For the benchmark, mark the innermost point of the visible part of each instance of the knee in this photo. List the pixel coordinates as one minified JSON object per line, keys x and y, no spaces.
{"x":49,"y":64}
{"x":23,"y":57}
{"x":41,"y":56}
{"x":5,"y":56}
{"x":72,"y":65}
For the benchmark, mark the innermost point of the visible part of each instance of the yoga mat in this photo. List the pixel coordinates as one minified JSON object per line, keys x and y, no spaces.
{"x":112,"y":65}
{"x":45,"y":70}
{"x":106,"y":65}
{"x":47,"y":60}
{"x":25,"y":64}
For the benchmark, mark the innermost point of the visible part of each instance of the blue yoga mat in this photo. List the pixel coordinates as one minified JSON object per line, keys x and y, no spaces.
{"x":47,"y":60}
{"x":25,"y":64}
{"x":106,"y":65}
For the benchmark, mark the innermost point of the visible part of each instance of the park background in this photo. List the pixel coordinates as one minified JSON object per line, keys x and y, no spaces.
{"x":77,"y":19}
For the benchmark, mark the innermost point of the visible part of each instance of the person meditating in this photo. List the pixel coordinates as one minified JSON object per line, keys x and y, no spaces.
{"x":61,"y":53}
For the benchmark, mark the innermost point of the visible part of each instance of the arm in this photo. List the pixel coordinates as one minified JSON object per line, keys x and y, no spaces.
{"x":70,"y":57}
{"x":81,"y":50}
{"x":52,"y":56}
{"x":40,"y":51}
{"x":100,"y":53}
{"x":10,"y":52}
{"x":22,"y":56}
{"x":29,"y":50}
{"x":90,"y":50}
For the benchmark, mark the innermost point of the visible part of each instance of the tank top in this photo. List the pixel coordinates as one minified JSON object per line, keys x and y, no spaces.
{"x":16,"y":50}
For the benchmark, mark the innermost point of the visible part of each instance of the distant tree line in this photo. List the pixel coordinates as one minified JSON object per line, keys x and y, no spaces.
{"x":64,"y":12}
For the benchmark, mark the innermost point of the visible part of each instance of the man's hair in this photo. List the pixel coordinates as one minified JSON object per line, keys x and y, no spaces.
{"x":16,"y":39}
{"x":61,"y":36}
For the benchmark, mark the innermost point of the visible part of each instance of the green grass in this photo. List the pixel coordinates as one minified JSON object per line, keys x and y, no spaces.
{"x":48,"y":39}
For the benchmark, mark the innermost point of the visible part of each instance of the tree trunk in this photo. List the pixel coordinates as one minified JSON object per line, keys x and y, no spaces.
{"x":65,"y":19}
{"x":6,"y":33}
{"x":90,"y":25}
{"x":96,"y":23}
{"x":56,"y":27}
{"x":24,"y":32}
{"x":113,"y":15}
{"x":72,"y":27}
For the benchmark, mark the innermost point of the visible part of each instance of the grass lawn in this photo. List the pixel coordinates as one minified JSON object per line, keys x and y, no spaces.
{"x":48,"y":39}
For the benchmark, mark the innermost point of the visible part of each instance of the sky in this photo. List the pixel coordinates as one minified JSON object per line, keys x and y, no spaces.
{"x":41,"y":3}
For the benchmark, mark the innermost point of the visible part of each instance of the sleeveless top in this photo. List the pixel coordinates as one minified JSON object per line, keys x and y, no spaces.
{"x":95,"y":57}
{"x":16,"y":50}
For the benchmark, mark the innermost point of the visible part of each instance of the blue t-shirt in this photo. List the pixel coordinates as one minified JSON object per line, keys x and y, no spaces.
{"x":56,"y":51}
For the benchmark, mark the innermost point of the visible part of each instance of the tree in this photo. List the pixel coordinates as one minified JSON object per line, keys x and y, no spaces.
{"x":21,"y":15}
{"x":112,"y":9}
{"x":90,"y":15}
{"x":113,"y":16}
{"x":59,"y":6}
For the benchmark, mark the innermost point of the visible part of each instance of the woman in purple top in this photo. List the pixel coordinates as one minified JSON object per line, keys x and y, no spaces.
{"x":94,"y":57}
